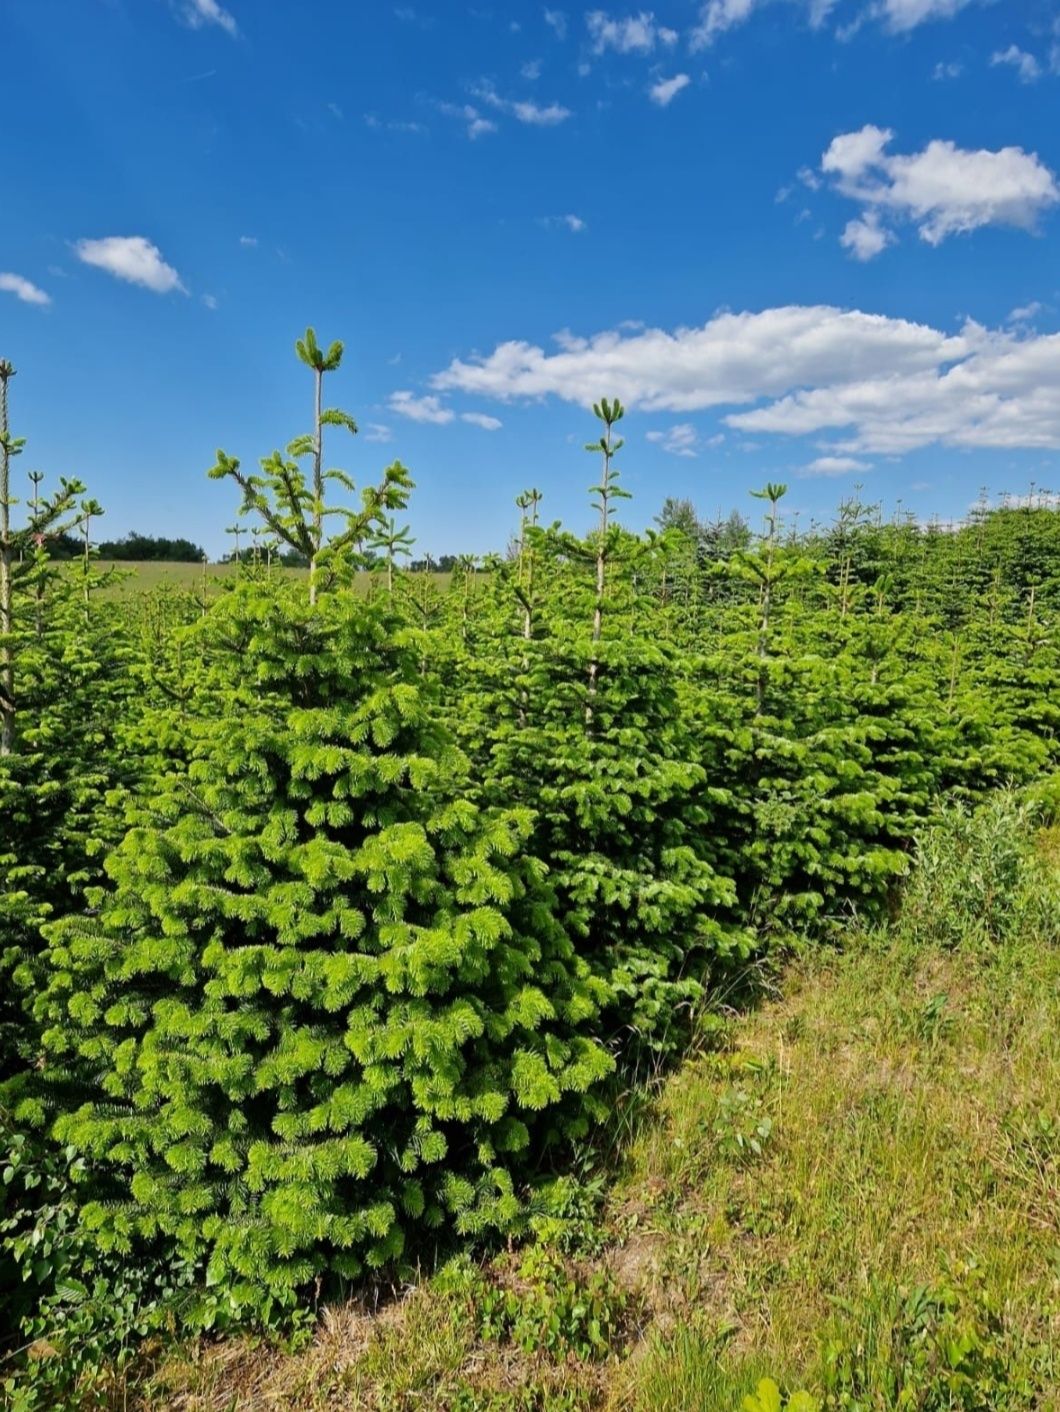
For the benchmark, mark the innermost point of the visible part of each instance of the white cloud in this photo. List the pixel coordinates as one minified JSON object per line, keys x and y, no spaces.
{"x":420,"y":409}
{"x":902,"y":15}
{"x":734,"y":358}
{"x":248,"y":240}
{"x":1026,"y":65}
{"x":568,"y":222}
{"x":834,"y":466}
{"x":635,"y":34}
{"x":865,"y":238}
{"x":667,"y":89}
{"x":997,"y":395}
{"x":23,"y":289}
{"x":531,"y":70}
{"x":132,"y":258}
{"x":483,"y":420}
{"x":716,"y":17}
{"x":538,"y":115}
{"x":679,"y":440}
{"x":851,"y":154}
{"x":886,"y":385}
{"x":524,"y":111}
{"x":210,"y":300}
{"x":944,"y":189}
{"x":477,"y":125}
{"x":199,"y":13}
{"x":953,"y":69}
{"x":1026,"y":313}
{"x":557,"y":22}
{"x":377,"y":431}
{"x":897,"y":16}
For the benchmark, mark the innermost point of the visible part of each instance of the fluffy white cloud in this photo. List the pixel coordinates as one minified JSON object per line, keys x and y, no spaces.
{"x":834,"y":466}
{"x":210,"y":300}
{"x":132,"y":258}
{"x":634,"y":34}
{"x":733,"y":358}
{"x":667,"y":89}
{"x":199,"y":13}
{"x":865,"y":238}
{"x":483,"y":420}
{"x":852,"y":154}
{"x":23,"y":289}
{"x":420,"y":409}
{"x":524,"y":111}
{"x":951,"y":69}
{"x":248,"y":240}
{"x":997,"y":395}
{"x":944,"y":189}
{"x":679,"y":440}
{"x":885,"y":385}
{"x":1026,"y":65}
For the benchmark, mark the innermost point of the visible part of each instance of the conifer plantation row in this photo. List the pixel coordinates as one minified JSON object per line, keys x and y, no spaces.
{"x":332,"y":921}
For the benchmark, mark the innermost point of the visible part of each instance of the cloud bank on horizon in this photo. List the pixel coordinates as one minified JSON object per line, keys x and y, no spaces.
{"x":875,"y":383}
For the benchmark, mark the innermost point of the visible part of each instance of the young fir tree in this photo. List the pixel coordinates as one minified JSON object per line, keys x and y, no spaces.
{"x":324,"y":1003}
{"x":579,"y":714}
{"x":65,"y":699}
{"x":293,"y":504}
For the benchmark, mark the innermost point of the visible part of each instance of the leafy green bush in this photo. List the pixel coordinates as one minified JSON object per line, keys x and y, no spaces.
{"x":767,"y":1397}
{"x":71,"y":1314}
{"x":976,"y":877}
{"x":552,"y":1308}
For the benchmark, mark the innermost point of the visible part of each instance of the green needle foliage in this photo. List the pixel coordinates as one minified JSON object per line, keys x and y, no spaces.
{"x":293,"y":504}
{"x":66,"y":697}
{"x":325,"y":1002}
{"x":398,"y":875}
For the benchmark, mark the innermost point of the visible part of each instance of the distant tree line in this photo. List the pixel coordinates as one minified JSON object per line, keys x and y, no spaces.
{"x":131,"y":547}
{"x":715,"y":538}
{"x":440,"y":564}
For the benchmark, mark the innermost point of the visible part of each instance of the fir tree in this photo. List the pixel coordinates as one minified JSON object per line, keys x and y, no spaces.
{"x":324,"y":1001}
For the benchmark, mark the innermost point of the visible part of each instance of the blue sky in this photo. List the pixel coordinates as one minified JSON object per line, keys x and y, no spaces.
{"x":803,"y":240}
